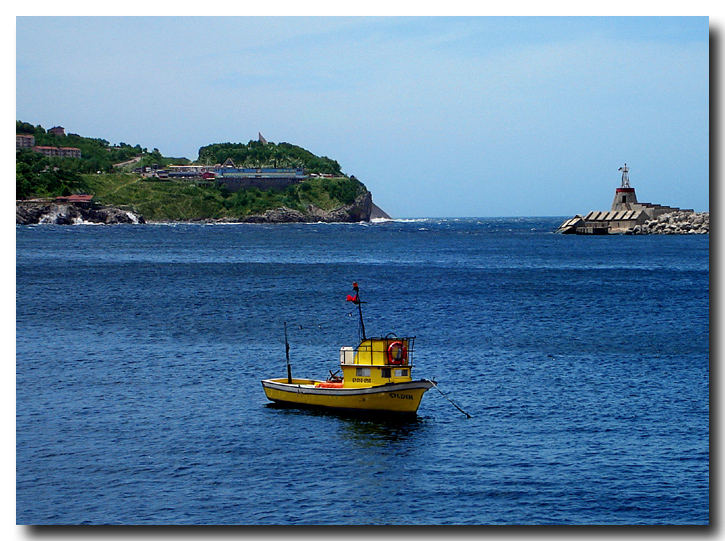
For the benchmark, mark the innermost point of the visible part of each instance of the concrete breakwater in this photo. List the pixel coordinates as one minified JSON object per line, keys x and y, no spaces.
{"x":675,"y":223}
{"x":629,"y":216}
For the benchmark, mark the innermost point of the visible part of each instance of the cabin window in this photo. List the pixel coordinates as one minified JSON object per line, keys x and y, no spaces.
{"x":401,"y":372}
{"x":385,"y":372}
{"x":362,"y":371}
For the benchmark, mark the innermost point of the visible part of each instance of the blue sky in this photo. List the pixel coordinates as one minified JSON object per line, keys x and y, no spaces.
{"x":472,"y":116}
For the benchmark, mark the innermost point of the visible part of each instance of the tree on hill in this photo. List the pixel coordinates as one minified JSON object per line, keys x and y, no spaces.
{"x":257,"y":154}
{"x":38,"y":175}
{"x":24,"y":128}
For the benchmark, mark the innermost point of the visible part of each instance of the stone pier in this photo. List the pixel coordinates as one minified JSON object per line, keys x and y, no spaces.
{"x":628,"y":216}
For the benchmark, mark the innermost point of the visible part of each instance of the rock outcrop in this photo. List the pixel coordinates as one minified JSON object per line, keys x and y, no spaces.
{"x":359,"y":211}
{"x":49,"y":212}
{"x":46,"y":212}
{"x":675,"y":223}
{"x":378,"y":213}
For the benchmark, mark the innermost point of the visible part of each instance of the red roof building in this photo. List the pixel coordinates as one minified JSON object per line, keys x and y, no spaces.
{"x":77,"y":198}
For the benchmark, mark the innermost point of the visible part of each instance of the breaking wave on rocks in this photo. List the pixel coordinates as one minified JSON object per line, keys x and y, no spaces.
{"x":50,"y":217}
{"x":132,"y":217}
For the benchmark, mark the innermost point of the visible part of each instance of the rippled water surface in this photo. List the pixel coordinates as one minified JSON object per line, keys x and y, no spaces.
{"x":140,"y":350}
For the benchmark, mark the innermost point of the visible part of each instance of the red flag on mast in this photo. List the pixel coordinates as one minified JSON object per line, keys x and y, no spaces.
{"x":354,"y":299}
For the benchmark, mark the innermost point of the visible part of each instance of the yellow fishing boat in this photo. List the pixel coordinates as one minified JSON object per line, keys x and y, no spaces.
{"x":376,"y":377}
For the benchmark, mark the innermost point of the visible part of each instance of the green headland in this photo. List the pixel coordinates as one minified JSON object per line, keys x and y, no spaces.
{"x":124,"y":176}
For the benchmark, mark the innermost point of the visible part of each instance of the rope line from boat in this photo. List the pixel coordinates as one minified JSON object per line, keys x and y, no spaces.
{"x":324,"y":326}
{"x":449,"y":400}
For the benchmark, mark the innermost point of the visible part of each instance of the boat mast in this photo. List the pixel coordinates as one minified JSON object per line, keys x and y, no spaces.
{"x":359,"y":308}
{"x":286,"y":352}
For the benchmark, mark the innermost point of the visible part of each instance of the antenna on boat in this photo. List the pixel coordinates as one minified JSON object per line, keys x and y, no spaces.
{"x":286,"y":352}
{"x":356,"y":300}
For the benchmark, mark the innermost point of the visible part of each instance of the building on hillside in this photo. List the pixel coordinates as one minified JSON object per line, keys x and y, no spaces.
{"x":23,"y":140}
{"x":70,"y":152}
{"x":51,"y":152}
{"x":81,"y":199}
{"x":263,"y":178}
{"x":58,"y":152}
{"x":57,"y":130}
{"x":261,"y":138}
{"x":232,"y":177}
{"x":188,"y":171}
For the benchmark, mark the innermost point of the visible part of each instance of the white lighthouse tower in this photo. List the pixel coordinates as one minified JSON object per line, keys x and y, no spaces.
{"x":624,"y":196}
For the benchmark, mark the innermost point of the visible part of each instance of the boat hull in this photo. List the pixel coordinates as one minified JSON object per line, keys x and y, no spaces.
{"x":394,"y":397}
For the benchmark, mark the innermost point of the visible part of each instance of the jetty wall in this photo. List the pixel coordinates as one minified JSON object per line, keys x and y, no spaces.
{"x":629,"y":216}
{"x":675,"y":223}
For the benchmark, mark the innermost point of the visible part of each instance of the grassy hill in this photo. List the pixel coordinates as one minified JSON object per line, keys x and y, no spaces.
{"x":98,"y":172}
{"x":40,"y":176}
{"x":181,"y":200}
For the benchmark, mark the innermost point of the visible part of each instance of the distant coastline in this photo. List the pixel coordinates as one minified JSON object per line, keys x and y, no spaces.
{"x":256,"y":182}
{"x":63,"y":212}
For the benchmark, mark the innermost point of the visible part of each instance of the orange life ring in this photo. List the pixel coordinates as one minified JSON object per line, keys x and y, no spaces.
{"x":397,"y":353}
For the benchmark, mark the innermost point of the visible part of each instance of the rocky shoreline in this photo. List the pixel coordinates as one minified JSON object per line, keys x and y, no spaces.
{"x":46,"y":212}
{"x":675,"y":223}
{"x":359,"y":211}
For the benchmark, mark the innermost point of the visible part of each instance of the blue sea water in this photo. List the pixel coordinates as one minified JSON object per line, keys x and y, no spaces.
{"x":584,"y":362}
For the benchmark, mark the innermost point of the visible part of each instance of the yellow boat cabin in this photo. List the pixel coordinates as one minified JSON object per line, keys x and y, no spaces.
{"x":377,"y":361}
